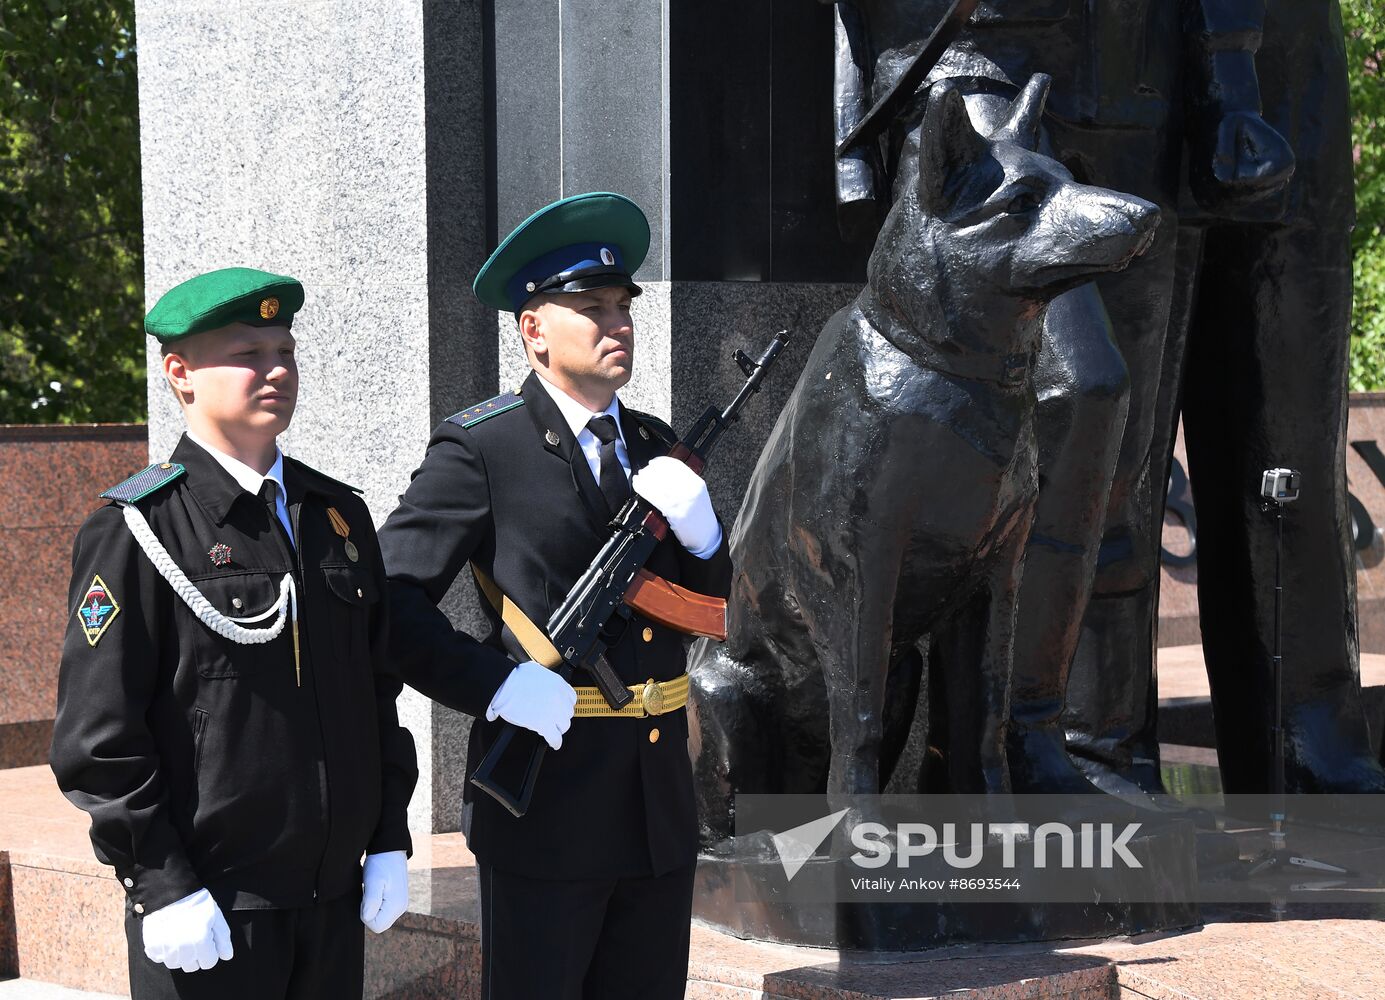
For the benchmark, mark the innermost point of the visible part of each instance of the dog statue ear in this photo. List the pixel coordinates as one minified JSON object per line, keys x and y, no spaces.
{"x":1026,"y":113}
{"x":948,"y":145}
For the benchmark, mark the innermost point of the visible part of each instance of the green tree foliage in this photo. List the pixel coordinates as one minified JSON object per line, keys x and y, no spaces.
{"x":1364,"y":21}
{"x":71,"y":242}
{"x":71,"y":254}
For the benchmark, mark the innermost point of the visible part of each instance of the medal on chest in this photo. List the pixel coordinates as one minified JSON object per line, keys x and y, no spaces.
{"x":343,"y":529}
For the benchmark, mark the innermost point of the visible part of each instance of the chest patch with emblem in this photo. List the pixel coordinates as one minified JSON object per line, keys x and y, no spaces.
{"x":97,"y":610}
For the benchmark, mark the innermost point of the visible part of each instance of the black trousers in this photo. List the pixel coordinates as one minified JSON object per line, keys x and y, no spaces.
{"x":584,"y":939}
{"x":312,"y":953}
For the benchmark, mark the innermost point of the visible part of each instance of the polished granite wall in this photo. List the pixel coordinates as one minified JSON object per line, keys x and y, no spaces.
{"x":377,"y":149}
{"x":51,"y":476}
{"x":374,"y":149}
{"x":342,"y":143}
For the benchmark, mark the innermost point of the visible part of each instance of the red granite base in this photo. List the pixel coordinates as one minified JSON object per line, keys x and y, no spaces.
{"x":54,"y":474}
{"x":24,"y":744}
{"x":67,"y":919}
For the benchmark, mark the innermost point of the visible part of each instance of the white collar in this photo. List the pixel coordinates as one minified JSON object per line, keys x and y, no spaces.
{"x":248,"y":479}
{"x":576,"y":414}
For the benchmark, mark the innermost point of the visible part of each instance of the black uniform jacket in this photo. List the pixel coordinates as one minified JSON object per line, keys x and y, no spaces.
{"x":610,"y":802}
{"x":200,"y":760}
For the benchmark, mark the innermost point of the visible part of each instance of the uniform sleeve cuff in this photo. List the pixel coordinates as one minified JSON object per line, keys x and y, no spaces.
{"x":385,"y":841}
{"x":150,"y":889}
{"x":711,"y":548}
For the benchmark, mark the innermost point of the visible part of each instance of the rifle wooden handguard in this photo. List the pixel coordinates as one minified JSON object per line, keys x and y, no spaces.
{"x":677,"y":607}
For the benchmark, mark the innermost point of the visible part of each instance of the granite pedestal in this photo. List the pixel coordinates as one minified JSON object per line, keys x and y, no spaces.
{"x":61,"y":922}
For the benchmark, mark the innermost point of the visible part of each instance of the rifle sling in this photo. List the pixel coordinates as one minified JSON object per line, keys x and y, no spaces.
{"x":535,"y":644}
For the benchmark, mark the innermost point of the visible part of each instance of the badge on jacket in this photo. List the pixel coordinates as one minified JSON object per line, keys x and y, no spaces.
{"x":97,"y":610}
{"x":343,"y":529}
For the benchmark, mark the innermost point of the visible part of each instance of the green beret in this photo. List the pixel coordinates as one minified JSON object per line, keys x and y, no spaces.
{"x":220,"y":298}
{"x":586,"y":241}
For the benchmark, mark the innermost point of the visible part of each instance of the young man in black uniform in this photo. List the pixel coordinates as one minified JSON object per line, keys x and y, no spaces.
{"x":226,"y":710}
{"x":589,"y":893}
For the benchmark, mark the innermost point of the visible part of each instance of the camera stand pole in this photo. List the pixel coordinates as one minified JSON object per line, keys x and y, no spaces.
{"x":1278,"y":856}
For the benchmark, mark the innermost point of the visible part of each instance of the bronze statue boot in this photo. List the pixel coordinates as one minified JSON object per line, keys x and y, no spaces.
{"x":1057,"y":581}
{"x":1324,"y":755}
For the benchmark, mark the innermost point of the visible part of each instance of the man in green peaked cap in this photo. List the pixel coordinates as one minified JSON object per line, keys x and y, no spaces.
{"x":578,"y":244}
{"x":226,"y":710}
{"x":589,"y":892}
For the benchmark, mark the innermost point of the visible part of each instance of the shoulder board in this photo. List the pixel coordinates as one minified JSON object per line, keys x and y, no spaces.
{"x":310,"y":473}
{"x":481,"y":412}
{"x":663,"y":430}
{"x":141,"y":484}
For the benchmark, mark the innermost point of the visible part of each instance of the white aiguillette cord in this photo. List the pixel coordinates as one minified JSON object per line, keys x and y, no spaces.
{"x":286,"y":607}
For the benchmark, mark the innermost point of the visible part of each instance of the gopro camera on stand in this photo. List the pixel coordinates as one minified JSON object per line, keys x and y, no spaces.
{"x":1279,"y":485}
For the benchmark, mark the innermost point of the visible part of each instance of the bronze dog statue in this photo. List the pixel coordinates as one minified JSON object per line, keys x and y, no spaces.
{"x":894,"y":496}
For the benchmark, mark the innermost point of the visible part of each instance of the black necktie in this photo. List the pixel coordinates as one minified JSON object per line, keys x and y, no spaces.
{"x":614,"y":486}
{"x":269,"y":493}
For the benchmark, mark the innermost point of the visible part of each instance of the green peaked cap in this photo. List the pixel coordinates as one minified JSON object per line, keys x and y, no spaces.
{"x":580,"y":242}
{"x":220,"y":298}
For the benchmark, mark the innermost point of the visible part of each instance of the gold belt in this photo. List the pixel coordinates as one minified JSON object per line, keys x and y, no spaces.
{"x":651,"y":698}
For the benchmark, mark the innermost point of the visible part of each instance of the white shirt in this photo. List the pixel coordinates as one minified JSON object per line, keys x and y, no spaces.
{"x":250,"y":480}
{"x":577,"y":415}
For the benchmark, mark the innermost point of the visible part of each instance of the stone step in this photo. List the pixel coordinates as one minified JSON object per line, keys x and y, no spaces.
{"x":64,"y":928}
{"x":1185,"y":698}
{"x":60,"y":926}
{"x":66,"y":914}
{"x":30,"y":989}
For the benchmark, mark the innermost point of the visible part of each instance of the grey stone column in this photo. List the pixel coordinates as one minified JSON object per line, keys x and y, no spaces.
{"x":375,"y":149}
{"x":581,"y":105}
{"x":671,"y":106}
{"x":344,"y":143}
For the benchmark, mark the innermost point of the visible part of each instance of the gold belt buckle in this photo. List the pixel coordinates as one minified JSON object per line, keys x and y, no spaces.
{"x":652,"y":697}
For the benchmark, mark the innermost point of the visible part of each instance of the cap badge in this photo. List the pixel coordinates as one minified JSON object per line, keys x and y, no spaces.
{"x":220,"y":554}
{"x":269,"y":308}
{"x":607,"y":257}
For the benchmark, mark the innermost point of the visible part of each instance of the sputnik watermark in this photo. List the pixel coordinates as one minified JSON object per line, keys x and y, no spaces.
{"x":1088,"y":846}
{"x":1090,"y":849}
{"x":1092,"y":845}
{"x":796,"y":846}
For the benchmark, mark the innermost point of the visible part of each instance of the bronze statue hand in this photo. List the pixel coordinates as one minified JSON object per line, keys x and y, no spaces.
{"x":1239,"y":169}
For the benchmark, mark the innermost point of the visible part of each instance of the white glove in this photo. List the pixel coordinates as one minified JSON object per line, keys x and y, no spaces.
{"x":190,"y":934}
{"x":536,"y":698}
{"x":681,"y":496}
{"x":386,"y":889}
